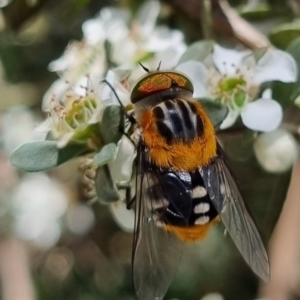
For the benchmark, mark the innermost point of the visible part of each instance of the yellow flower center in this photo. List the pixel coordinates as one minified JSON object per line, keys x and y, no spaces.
{"x":232,"y":83}
{"x":80,"y":111}
{"x":231,"y":91}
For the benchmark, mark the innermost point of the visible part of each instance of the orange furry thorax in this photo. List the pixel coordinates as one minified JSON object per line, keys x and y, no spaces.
{"x":179,"y":155}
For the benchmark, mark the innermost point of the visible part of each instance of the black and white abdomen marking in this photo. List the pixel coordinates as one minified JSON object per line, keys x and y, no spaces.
{"x":178,"y":119}
{"x":180,"y":199}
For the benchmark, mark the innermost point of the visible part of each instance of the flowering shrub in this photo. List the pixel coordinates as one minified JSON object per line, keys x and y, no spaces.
{"x":85,"y":117}
{"x":246,"y":93}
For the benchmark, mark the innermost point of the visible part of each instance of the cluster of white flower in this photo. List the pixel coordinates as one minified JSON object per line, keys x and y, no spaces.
{"x":115,"y":40}
{"x":234,"y":79}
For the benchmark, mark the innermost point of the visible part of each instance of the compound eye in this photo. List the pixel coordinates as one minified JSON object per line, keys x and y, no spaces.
{"x":157,"y":82}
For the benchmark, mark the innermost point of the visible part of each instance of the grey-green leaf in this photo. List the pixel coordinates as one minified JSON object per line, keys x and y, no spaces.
{"x":283,"y":35}
{"x":261,"y":11}
{"x":217,"y":112}
{"x":107,"y":154}
{"x":286,"y":93}
{"x":106,"y":189}
{"x":43,"y":155}
{"x":197,"y":51}
{"x":112,"y":124}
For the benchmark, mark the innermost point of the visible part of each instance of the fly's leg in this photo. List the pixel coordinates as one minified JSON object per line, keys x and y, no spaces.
{"x":130,"y":202}
{"x":129,"y":116}
{"x":128,"y":197}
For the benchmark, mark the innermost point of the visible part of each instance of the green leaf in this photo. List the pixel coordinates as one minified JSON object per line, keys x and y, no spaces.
{"x":282,"y":92}
{"x":106,"y":189}
{"x":112,"y":124}
{"x":43,"y":155}
{"x":259,"y":12}
{"x":107,"y":154}
{"x":294,"y":50}
{"x":197,"y":51}
{"x":283,"y":35}
{"x":84,"y":132}
{"x":217,"y":112}
{"x":286,"y":93}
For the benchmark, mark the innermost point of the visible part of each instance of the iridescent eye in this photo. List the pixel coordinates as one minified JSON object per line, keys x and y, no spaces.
{"x":159,"y":81}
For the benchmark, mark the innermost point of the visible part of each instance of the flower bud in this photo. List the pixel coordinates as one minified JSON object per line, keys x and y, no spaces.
{"x":276,"y":151}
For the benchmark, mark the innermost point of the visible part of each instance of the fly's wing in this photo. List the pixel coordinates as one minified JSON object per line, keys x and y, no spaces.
{"x":226,"y":197}
{"x":156,"y":251}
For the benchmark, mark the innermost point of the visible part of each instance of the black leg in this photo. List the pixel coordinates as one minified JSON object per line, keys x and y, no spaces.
{"x":128,"y":116}
{"x":129,"y":200}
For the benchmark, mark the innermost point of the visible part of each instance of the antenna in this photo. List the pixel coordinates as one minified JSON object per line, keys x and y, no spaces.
{"x":128,"y":116}
{"x":145,"y":69}
{"x":158,"y":66}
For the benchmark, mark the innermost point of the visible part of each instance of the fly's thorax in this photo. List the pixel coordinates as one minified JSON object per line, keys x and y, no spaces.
{"x":178,"y":134}
{"x":155,"y":99}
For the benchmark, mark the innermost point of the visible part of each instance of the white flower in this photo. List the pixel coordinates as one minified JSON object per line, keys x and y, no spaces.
{"x":121,"y":172}
{"x":79,"y":61}
{"x":113,"y":38}
{"x":135,"y":40}
{"x":235,"y":80}
{"x":71,"y":118}
{"x":111,"y":24}
{"x":264,"y":114}
{"x":123,"y":216}
{"x":39,"y":203}
{"x":121,"y":167}
{"x":120,"y":87}
{"x":80,"y":218}
{"x":276,"y":151}
{"x":18,"y":125}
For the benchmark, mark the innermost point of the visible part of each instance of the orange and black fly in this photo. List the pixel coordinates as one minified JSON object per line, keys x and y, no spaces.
{"x":183,"y":184}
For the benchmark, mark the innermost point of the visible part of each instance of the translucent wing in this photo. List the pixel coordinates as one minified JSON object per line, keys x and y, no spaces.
{"x":156,"y":251}
{"x":226,"y":197}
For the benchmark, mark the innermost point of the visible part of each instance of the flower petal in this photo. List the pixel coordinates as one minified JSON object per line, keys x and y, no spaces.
{"x":45,"y":126}
{"x":162,"y":38}
{"x":227,"y":60}
{"x":93,"y":31}
{"x":121,"y":167}
{"x":123,"y":216}
{"x":262,"y":115}
{"x":108,"y":96}
{"x":170,"y":56}
{"x":267,"y":94}
{"x":276,"y":65}
{"x":147,"y":16}
{"x":197,"y":72}
{"x":230,"y":119}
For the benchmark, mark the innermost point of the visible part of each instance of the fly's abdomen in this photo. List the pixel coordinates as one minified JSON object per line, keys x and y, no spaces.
{"x":181,"y":204}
